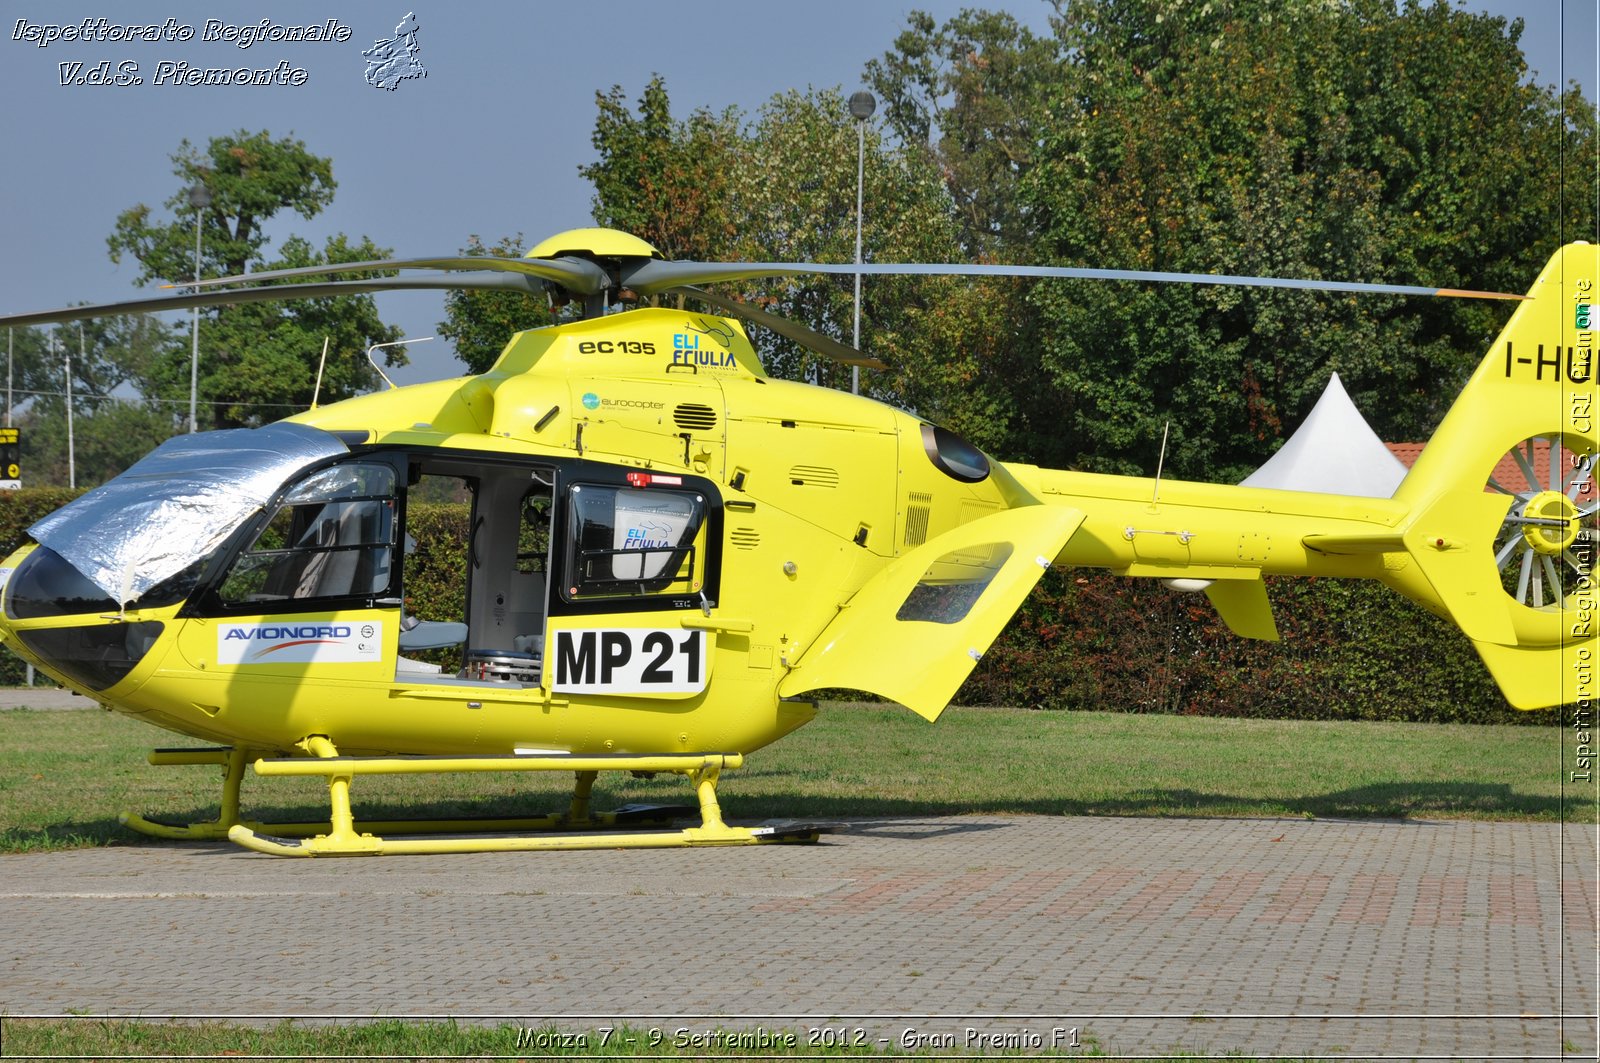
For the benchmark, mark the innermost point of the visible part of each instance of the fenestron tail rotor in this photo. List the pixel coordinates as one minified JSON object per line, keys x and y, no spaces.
{"x":1542,"y":549}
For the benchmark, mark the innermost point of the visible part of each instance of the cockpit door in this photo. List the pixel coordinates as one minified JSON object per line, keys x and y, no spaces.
{"x":313,"y":586}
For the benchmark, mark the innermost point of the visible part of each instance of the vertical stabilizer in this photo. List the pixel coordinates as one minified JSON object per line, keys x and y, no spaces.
{"x":1502,"y":498}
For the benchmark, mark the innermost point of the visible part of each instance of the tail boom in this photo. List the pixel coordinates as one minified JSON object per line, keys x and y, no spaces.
{"x":1511,"y":564}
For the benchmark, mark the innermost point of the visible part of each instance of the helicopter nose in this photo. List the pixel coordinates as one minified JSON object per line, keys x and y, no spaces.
{"x":93,"y":655}
{"x":47,"y":585}
{"x":93,"y":658}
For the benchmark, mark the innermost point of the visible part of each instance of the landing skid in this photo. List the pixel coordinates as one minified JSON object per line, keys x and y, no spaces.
{"x":576,"y":828}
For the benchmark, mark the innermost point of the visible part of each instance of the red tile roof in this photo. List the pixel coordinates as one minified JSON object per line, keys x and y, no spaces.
{"x":1508,"y":473}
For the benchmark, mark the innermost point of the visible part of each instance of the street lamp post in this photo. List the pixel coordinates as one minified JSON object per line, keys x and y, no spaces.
{"x":199,"y":199}
{"x":72,"y":450}
{"x":862,"y":104}
{"x":66,"y":368}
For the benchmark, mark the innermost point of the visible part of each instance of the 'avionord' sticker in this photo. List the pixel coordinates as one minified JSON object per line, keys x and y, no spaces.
{"x":300,"y":642}
{"x":630,"y":661}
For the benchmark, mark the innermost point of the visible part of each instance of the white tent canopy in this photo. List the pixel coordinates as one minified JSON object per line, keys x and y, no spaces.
{"x":1335,"y":452}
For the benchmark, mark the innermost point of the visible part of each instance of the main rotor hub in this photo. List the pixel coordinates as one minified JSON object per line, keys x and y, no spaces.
{"x":1547,"y":536}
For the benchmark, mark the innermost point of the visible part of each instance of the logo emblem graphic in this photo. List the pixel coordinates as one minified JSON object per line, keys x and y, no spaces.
{"x":721,"y":333}
{"x":392,"y":61}
{"x":591,"y":401}
{"x":312,"y":642}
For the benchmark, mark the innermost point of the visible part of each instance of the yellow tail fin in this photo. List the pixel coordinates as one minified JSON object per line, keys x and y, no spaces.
{"x":1503,"y":502}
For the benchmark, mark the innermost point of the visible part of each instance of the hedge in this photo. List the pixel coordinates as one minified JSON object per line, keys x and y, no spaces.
{"x":1088,"y":640}
{"x":1349,"y":649}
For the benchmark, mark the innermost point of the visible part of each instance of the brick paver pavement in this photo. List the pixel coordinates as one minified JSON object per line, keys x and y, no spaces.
{"x":1414,"y":939}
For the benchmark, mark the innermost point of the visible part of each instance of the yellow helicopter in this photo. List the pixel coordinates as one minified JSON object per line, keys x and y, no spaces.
{"x":670,"y":550}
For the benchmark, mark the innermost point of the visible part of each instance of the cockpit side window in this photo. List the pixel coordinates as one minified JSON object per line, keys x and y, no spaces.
{"x":332,"y":537}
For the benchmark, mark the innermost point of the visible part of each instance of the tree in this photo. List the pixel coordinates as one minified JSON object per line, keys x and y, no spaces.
{"x":795,"y":201}
{"x":110,"y":432}
{"x":106,"y":440}
{"x":1359,"y":141}
{"x":105,"y":353}
{"x":258,"y":361}
{"x":782,"y":187}
{"x":1363,"y":140}
{"x":974,"y":95}
{"x":251,"y":178}
{"x":666,"y":181}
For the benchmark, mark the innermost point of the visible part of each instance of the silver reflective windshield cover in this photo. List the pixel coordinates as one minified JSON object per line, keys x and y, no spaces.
{"x":178,"y":503}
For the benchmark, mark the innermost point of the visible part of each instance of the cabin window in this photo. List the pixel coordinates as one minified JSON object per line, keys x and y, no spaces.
{"x":331,"y":537}
{"x":954,"y":456}
{"x":953,"y":584}
{"x":627,"y":542}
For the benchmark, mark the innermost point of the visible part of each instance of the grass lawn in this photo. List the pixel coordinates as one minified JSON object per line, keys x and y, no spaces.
{"x":65,"y":774}
{"x":397,"y":1039}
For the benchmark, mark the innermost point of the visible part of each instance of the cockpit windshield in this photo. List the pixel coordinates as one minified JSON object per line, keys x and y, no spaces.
{"x":178,"y":504}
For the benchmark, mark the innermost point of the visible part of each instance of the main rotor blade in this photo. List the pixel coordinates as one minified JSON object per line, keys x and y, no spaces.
{"x":826,"y":346}
{"x":657,"y":275}
{"x":577,"y":275}
{"x":272,"y":292}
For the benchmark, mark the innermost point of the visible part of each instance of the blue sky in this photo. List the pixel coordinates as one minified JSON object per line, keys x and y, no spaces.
{"x":489,"y":143}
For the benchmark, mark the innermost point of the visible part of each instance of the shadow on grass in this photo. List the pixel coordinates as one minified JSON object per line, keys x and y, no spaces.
{"x":888,"y":817}
{"x":71,"y":835}
{"x":108,"y":831}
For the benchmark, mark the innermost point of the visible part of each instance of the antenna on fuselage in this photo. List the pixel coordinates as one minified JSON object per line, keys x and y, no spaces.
{"x":1155,"y":492}
{"x":317,"y":390}
{"x":396,"y":343}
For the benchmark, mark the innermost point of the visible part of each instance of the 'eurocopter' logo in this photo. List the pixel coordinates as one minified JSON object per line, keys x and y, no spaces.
{"x":393,"y":61}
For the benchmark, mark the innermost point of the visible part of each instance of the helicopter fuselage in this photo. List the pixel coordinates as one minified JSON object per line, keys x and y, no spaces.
{"x":699,"y":525}
{"x":659,"y":536}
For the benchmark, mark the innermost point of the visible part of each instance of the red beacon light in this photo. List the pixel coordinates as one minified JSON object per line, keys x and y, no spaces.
{"x":647,"y":479}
